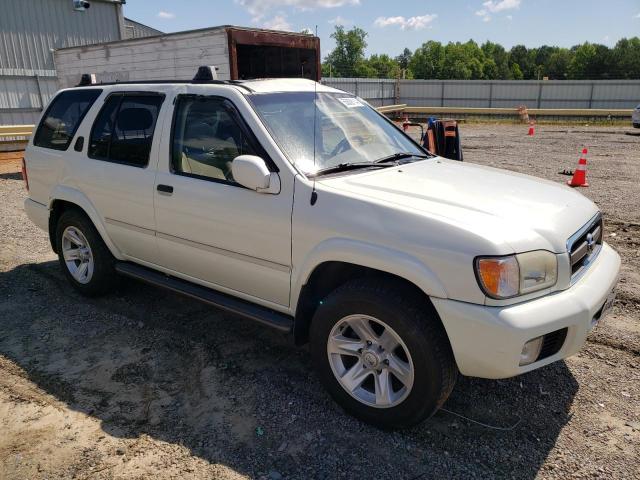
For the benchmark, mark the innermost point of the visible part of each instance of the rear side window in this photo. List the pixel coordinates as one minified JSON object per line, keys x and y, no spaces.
{"x":123,"y":130}
{"x":63,"y":117}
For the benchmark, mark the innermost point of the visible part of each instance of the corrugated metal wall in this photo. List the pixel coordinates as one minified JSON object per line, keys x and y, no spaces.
{"x":377,"y":92}
{"x":133,"y":29}
{"x":497,"y":93}
{"x":23,"y":98}
{"x":29,"y":31}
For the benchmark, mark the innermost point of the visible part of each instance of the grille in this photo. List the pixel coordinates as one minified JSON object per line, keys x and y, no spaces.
{"x":552,"y":343}
{"x":585,"y":245}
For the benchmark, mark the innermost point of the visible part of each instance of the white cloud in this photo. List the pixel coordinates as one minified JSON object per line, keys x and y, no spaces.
{"x":259,"y":8}
{"x":509,"y":17}
{"x":496,"y":6}
{"x":279,"y":22}
{"x":411,"y":23}
{"x":637,"y":16}
{"x":166,"y":15}
{"x":484,"y":15}
{"x":340,"y":21}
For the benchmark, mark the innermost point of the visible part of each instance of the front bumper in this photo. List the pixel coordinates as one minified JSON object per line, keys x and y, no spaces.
{"x":487,"y":341}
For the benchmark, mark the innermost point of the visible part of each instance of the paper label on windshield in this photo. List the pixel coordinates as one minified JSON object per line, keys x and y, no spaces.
{"x":351,"y":102}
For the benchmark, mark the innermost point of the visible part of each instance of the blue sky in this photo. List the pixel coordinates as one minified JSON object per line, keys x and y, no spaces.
{"x":393,"y":25}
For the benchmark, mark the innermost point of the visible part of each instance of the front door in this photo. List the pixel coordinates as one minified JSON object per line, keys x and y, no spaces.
{"x":209,"y":228}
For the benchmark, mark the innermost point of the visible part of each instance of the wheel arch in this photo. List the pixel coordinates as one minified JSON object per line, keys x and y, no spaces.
{"x":329,"y":275}
{"x":65,"y":198}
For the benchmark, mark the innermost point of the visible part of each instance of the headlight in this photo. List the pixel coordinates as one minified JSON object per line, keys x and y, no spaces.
{"x":513,"y":275}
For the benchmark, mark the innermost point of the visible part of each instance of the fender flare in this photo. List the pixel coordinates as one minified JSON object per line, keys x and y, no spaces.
{"x":72,"y":195}
{"x":368,"y":255}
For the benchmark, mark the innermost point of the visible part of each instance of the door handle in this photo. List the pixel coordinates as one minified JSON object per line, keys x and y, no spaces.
{"x":167,"y":189}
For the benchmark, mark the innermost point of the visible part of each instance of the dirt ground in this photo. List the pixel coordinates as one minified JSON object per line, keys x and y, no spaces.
{"x":147,"y":384}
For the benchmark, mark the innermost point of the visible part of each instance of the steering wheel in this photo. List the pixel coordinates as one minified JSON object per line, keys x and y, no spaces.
{"x":345,"y":144}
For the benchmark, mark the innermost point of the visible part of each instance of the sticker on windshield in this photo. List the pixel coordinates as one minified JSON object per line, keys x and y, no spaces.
{"x":351,"y":102}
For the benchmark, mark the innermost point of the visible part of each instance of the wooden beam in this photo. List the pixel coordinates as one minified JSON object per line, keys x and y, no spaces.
{"x":16,"y":130}
{"x":392,"y":108}
{"x":559,"y":112}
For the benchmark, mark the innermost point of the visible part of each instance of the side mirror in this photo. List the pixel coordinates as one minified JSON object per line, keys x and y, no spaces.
{"x":251,"y":171}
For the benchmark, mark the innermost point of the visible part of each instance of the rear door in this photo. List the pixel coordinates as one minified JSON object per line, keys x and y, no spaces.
{"x":116,"y":166}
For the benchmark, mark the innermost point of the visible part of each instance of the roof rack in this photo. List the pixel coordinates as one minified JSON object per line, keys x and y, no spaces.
{"x":205,"y":75}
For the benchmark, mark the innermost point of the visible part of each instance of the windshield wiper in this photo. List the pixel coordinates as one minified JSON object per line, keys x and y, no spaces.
{"x":400,"y":156}
{"x":342,"y":167}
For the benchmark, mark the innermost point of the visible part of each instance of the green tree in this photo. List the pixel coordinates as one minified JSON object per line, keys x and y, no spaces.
{"x":427,"y":61}
{"x":519,"y":55}
{"x":384,"y":66}
{"x":516,"y":73}
{"x":496,"y":53}
{"x":467,"y":60}
{"x":348,"y":56}
{"x":404,"y":58}
{"x":455,"y":65}
{"x":626,"y":58}
{"x":583,"y":57}
{"x":557,"y":67}
{"x":490,"y":69}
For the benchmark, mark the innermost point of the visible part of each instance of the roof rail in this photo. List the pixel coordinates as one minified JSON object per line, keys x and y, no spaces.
{"x":205,"y":75}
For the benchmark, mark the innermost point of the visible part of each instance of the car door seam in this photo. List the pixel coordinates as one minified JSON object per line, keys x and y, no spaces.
{"x":222,"y":251}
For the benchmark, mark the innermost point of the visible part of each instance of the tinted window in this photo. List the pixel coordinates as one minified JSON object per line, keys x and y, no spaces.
{"x":103,"y":129}
{"x":63,"y":117}
{"x":123,"y":130}
{"x":206,"y":138}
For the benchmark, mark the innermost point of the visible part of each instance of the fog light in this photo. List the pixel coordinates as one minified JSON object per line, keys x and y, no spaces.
{"x":530,"y":351}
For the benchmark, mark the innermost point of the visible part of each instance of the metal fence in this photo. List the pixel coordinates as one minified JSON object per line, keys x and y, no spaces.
{"x":494,"y":94}
{"x":378,"y":92}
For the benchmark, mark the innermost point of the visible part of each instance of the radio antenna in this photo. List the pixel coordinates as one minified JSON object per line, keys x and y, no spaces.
{"x":314,"y":194}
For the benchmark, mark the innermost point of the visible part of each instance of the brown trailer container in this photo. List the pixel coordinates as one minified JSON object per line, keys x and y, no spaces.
{"x":236,"y":52}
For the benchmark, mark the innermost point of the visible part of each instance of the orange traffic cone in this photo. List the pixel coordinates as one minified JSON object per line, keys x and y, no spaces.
{"x":580,"y":176}
{"x":532,"y":129}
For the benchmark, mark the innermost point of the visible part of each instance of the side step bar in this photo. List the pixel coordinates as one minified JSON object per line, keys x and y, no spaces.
{"x":263,"y":315}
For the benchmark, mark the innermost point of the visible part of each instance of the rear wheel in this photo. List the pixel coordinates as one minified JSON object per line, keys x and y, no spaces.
{"x":382,"y":353}
{"x":83,"y":256}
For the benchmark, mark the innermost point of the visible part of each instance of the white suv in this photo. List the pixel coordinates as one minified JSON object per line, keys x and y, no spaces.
{"x":300,"y":207}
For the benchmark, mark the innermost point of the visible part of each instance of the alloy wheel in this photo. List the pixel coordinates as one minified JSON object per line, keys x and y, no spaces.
{"x":370,"y":361}
{"x":77,"y":254}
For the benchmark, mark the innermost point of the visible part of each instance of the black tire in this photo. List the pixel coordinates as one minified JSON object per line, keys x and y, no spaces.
{"x":415,"y":320}
{"x":103,"y":279}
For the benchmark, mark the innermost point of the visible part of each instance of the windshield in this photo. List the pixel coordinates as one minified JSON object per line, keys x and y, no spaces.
{"x":348,"y":131}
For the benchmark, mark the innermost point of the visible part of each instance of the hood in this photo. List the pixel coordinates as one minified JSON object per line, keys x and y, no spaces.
{"x":522,"y":211}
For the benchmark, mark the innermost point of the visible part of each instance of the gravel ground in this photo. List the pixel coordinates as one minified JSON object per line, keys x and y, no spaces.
{"x":146,"y":384}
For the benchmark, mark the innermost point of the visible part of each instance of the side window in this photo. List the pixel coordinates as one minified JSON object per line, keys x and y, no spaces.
{"x":103,"y":129}
{"x":63,"y":117}
{"x":206,"y":138}
{"x":123,"y":130}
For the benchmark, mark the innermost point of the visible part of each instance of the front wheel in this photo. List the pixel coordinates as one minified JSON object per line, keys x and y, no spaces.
{"x":382,"y":353}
